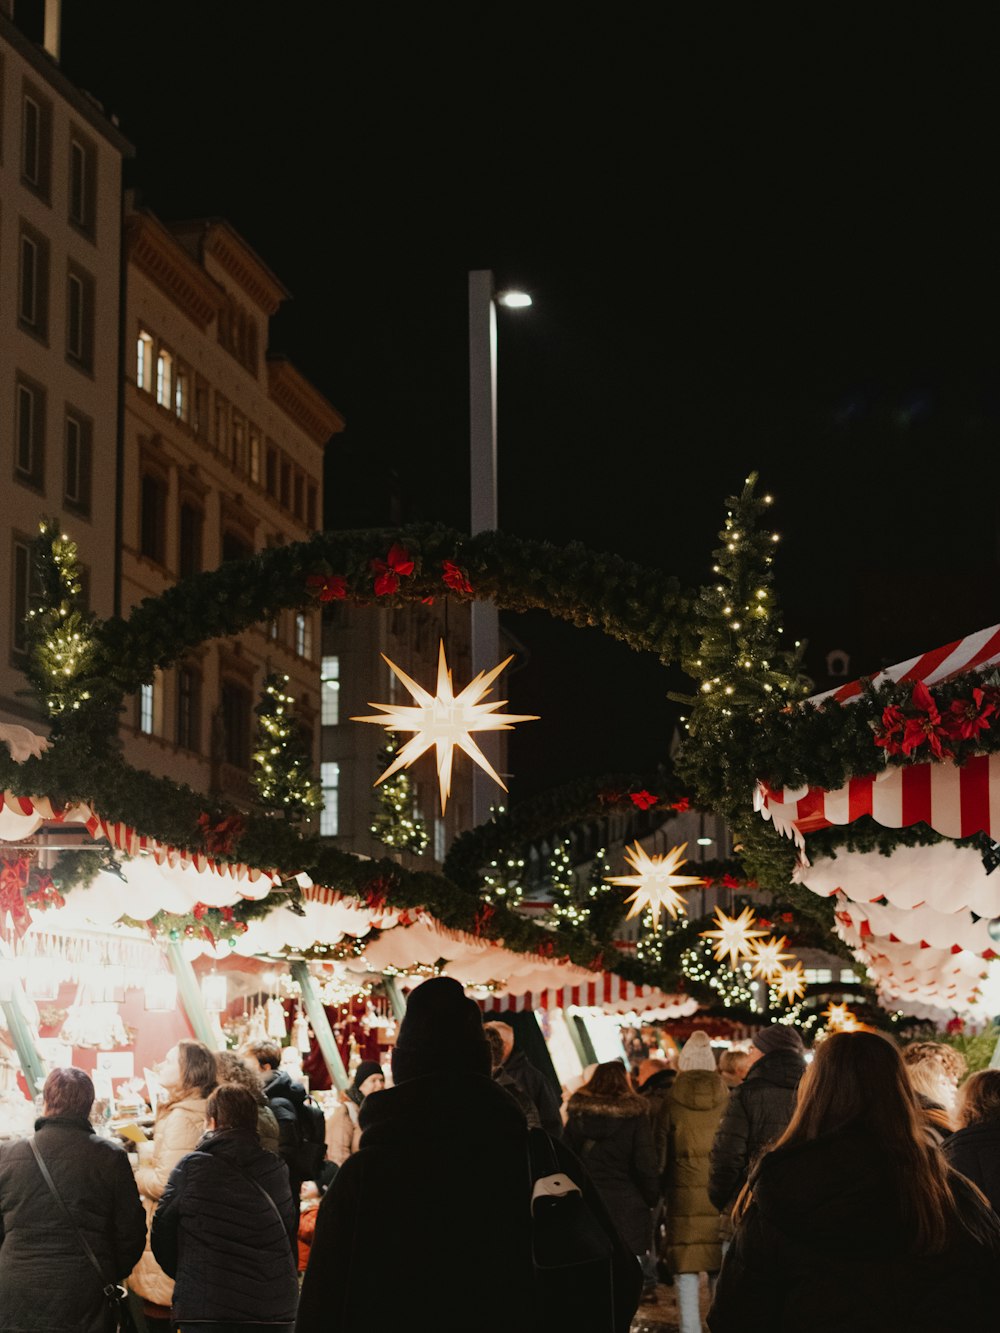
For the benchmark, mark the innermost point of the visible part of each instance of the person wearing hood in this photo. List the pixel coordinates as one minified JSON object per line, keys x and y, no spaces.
{"x":975,"y":1149}
{"x":285,"y":1098}
{"x":695,"y":1104}
{"x":446,"y":1148}
{"x":757,"y":1112}
{"x":532,"y":1082}
{"x":655,"y":1078}
{"x":344,"y":1134}
{"x":225,"y":1228}
{"x":854,"y":1220}
{"x":608,"y":1128}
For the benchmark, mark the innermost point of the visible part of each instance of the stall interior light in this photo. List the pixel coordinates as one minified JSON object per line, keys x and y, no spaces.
{"x":161,"y":993}
{"x":704,"y":842}
{"x":214,"y":992}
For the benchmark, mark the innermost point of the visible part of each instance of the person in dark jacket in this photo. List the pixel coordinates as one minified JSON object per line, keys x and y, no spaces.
{"x":46,"y":1280}
{"x":500,"y":1076}
{"x":226,"y":1227}
{"x":655,"y":1079}
{"x":854,"y":1220}
{"x":285,"y":1099}
{"x":447,"y":1149}
{"x":530,"y":1080}
{"x":757,"y":1112}
{"x":975,"y":1149}
{"x":608,"y":1128}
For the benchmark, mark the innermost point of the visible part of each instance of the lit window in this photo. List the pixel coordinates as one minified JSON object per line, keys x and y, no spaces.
{"x":330,"y":692}
{"x":848,"y":976}
{"x":329,"y":779}
{"x":440,"y":839}
{"x":254,"y":459}
{"x":164,"y":377}
{"x":182,"y":405}
{"x":303,"y":635}
{"x":144,"y":362}
{"x":146,"y":709}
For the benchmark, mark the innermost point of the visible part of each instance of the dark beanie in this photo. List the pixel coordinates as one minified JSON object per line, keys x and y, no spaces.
{"x":365,"y":1070}
{"x":441,"y":1033}
{"x":779,"y":1037}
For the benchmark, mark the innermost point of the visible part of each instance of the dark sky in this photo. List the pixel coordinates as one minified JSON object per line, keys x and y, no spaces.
{"x":749,"y":248}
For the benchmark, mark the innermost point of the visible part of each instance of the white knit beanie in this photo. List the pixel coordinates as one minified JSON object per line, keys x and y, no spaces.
{"x":696,"y":1053}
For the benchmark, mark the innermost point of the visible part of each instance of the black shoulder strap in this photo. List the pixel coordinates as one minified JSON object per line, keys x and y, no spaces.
{"x":255,"y":1183}
{"x":110,"y":1288}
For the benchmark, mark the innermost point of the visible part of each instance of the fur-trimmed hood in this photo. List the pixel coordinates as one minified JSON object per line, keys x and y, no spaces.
{"x":600,"y":1116}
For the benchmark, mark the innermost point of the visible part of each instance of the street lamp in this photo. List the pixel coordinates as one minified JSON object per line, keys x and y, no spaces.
{"x":483,"y":301}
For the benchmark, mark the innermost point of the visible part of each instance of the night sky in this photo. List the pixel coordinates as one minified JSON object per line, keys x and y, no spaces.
{"x":748,"y":249}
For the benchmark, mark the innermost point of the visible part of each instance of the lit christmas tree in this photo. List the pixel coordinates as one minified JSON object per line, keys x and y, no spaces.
{"x":567,"y":907}
{"x":59,"y":630}
{"x":282,"y":765}
{"x":397,"y":822}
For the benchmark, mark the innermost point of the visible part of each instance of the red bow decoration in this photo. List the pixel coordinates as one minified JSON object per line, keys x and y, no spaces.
{"x":681,"y":805}
{"x":730,"y":882}
{"x":644,"y":800}
{"x":398,"y":562}
{"x":227,"y":914}
{"x":328,"y":587}
{"x":45,"y":894}
{"x":199,"y":911}
{"x":220,"y":838}
{"x":546,"y":949}
{"x":455,"y":578}
{"x":13,"y":883}
{"x":482,"y":917}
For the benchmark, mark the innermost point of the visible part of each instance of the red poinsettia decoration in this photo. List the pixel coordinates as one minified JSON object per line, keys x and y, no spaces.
{"x":220,"y":837}
{"x":966,"y":718}
{"x":730,"y":882}
{"x":13,"y":884}
{"x":891,"y":736}
{"x":904,"y":731}
{"x":681,"y":805}
{"x":955,"y":1024}
{"x":455,"y":578}
{"x":397,"y":563}
{"x":644,"y":800}
{"x":199,"y":911}
{"x":328,"y":587}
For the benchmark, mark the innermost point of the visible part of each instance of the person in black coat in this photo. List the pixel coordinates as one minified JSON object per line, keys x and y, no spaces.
{"x":854,"y":1220}
{"x":226,"y":1227}
{"x":975,"y":1149}
{"x":532,"y":1082}
{"x":46,"y":1280}
{"x":758,"y":1111}
{"x":445,"y":1149}
{"x":285,"y":1098}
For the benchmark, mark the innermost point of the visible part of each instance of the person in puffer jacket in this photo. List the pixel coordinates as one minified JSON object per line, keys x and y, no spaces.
{"x":758,"y":1111}
{"x":225,"y":1228}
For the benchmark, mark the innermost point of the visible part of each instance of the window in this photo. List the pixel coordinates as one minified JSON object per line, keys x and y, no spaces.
{"x":311,"y":508}
{"x":286,"y":483}
{"x":329,"y":692}
{"x":79,"y":445}
{"x":33,"y":287}
{"x":82,"y":183}
{"x":817,"y":975}
{"x":153,"y":518}
{"x":182,"y":393}
{"x":440,"y":839}
{"x":22,"y":600}
{"x":253,"y":462}
{"x":303,"y":635}
{"x":144,"y":361}
{"x":164,"y":378}
{"x":36,"y":141}
{"x":222,"y":424}
{"x":848,"y":977}
{"x":80,"y":318}
{"x":146,"y":702}
{"x":29,"y":433}
{"x":190,"y":530}
{"x":236,"y":724}
{"x":188,"y":708}
{"x":329,"y":781}
{"x":200,"y":422}
{"x":239,"y":440}
{"x":271,"y":472}
{"x":298,"y":493}
{"x":235,"y":546}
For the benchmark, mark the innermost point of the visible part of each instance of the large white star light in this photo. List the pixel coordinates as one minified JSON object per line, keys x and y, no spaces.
{"x":444,"y":720}
{"x":734,"y":935}
{"x":655,"y":882}
{"x":790,"y":983}
{"x":766,"y":957}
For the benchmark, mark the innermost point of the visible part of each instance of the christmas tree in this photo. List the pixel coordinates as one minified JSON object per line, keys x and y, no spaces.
{"x":397,"y":822}
{"x":282,"y":764}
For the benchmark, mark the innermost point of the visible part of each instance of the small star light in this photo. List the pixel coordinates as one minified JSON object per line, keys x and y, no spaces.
{"x":734,"y":935}
{"x":654,"y":882}
{"x":839,"y":1018}
{"x":790,"y":983}
{"x":444,"y":720}
{"x":765,"y":957}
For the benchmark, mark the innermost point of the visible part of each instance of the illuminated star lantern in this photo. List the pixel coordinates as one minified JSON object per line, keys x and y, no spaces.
{"x":444,"y":720}
{"x":655,"y":882}
{"x":766,"y":958}
{"x":839,"y":1018}
{"x":734,"y":935}
{"x":790,"y":983}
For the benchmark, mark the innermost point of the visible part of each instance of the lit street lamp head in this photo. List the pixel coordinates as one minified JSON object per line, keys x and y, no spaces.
{"x":513,"y":300}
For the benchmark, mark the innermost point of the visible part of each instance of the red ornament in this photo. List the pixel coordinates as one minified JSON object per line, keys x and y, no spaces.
{"x":328,"y":587}
{"x":199,"y":911}
{"x":240,"y":927}
{"x":455,"y":577}
{"x":955,"y":1024}
{"x":227,"y":914}
{"x":644,"y":800}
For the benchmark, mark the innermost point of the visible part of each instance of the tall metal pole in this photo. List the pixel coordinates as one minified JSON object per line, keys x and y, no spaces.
{"x":194,"y":1005}
{"x":483,"y":502}
{"x":21,"y":1034}
{"x":320,"y":1023}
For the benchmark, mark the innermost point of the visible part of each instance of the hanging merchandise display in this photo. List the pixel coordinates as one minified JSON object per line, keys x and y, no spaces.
{"x":446,"y":721}
{"x":214,"y":993}
{"x":655,"y":882}
{"x":275,"y":1019}
{"x":300,"y":1032}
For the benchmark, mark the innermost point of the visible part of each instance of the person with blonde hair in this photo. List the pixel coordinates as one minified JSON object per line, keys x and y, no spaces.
{"x":854,"y":1220}
{"x":975,"y":1149}
{"x":934,"y":1070}
{"x":231,"y":1068}
{"x":733,"y":1066}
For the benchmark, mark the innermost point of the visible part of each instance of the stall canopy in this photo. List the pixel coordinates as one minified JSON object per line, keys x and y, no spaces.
{"x":920,"y":918}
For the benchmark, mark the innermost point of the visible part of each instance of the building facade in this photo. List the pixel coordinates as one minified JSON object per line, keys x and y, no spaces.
{"x":60,"y":372}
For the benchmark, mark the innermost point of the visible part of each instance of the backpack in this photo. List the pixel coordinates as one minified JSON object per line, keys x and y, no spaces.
{"x":310,"y":1153}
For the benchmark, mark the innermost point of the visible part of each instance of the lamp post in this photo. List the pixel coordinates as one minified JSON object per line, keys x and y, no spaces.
{"x":483,"y":301}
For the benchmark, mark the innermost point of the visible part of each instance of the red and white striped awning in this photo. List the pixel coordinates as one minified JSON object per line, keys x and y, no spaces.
{"x":611,"y":993}
{"x":955,"y":801}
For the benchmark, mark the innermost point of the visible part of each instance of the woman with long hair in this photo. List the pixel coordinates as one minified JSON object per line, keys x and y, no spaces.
{"x":608,"y":1127}
{"x":934,"y":1070}
{"x":975,"y":1149}
{"x":188,"y":1075}
{"x":854,"y":1220}
{"x":230,"y":1068}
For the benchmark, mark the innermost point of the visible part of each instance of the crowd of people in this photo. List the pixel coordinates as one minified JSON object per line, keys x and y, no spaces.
{"x":857,"y":1190}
